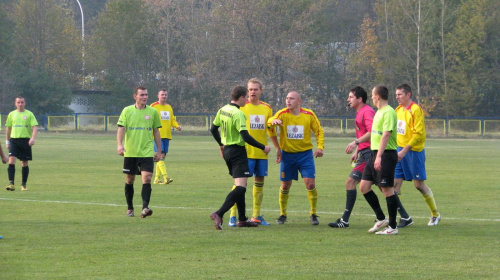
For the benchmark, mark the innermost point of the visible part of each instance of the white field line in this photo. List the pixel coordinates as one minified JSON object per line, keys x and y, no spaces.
{"x":200,"y":208}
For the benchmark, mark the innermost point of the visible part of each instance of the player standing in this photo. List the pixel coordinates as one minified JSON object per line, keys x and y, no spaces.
{"x":22,"y":128}
{"x":363,"y":126}
{"x":411,"y":153}
{"x":296,"y":124}
{"x":168,"y":121}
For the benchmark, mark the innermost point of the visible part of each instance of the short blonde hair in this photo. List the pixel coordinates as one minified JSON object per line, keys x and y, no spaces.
{"x":255,"y":81}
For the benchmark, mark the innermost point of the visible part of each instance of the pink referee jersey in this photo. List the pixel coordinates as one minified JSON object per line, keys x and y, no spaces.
{"x":364,"y":120}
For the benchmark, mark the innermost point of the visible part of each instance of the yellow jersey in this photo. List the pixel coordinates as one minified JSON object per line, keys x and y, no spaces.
{"x":295,"y":132}
{"x":411,"y":127}
{"x":167,"y":118}
{"x":257,"y":116}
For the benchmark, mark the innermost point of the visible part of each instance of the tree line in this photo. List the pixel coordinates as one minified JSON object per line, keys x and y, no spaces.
{"x":447,"y":50}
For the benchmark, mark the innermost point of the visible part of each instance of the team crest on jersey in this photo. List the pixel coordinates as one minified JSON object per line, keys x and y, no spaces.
{"x":146,"y":117}
{"x":165,"y":115}
{"x":257,"y":122}
{"x":401,"y":129}
{"x":24,"y":117}
{"x":295,"y":132}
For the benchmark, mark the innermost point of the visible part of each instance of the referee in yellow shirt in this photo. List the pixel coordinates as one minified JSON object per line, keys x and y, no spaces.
{"x":296,"y":125}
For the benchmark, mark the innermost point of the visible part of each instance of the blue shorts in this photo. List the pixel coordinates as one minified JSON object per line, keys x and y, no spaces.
{"x":292,"y":163}
{"x":411,"y":167}
{"x":258,"y":167}
{"x":164,"y":145}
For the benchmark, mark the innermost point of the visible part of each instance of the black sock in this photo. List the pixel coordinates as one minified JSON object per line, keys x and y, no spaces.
{"x":401,"y":209}
{"x":372,"y":199}
{"x":241,"y":204}
{"x":146,"y":195}
{"x":231,"y":199}
{"x":25,"y":171}
{"x":129,"y":195}
{"x":349,"y":204}
{"x":11,"y":170}
{"x":392,"y":209}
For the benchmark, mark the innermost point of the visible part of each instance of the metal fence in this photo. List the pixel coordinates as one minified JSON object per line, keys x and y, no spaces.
{"x":198,"y":122}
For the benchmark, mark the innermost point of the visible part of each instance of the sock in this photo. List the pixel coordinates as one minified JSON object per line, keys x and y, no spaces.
{"x":129,"y":195}
{"x":163,"y":169}
{"x":231,"y":199}
{"x":372,"y":199}
{"x":401,"y":209}
{"x":312,"y":196}
{"x":392,"y":209}
{"x":234,"y":208}
{"x":25,"y":171}
{"x":241,"y":204}
{"x":283,"y":201}
{"x":349,"y":204}
{"x":429,"y":199}
{"x":11,"y":170}
{"x":258,"y":194}
{"x":158,"y":172}
{"x":146,"y":195}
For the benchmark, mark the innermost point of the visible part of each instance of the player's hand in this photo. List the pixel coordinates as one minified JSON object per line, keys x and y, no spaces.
{"x":278,"y":156}
{"x":31,"y":142}
{"x":378,"y":163}
{"x":354,"y":158}
{"x":121,"y":150}
{"x":221,"y":151}
{"x":157,"y":156}
{"x":267,"y":149}
{"x":401,"y":155}
{"x":5,"y":159}
{"x":318,"y":153}
{"x":276,"y":122}
{"x":350,"y":148}
{"x":179,"y":128}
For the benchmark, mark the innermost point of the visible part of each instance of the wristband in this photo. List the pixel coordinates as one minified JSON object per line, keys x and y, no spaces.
{"x":356,"y":142}
{"x":7,"y":142}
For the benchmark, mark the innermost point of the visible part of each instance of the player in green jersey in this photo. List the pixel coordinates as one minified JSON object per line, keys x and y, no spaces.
{"x":231,"y":139}
{"x":138,"y":125}
{"x":22,"y":129}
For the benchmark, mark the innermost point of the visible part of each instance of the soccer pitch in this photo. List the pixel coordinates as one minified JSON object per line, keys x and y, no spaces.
{"x":71,"y":222}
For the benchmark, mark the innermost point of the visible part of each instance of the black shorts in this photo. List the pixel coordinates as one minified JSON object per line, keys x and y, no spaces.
{"x":20,"y":148}
{"x":384,"y":177}
{"x":236,"y":161}
{"x":134,"y":165}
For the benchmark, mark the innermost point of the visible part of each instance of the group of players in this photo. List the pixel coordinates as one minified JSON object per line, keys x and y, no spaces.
{"x":389,"y":148}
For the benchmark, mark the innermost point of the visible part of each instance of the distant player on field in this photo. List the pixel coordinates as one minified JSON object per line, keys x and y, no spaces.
{"x":411,"y":153}
{"x":296,"y":125}
{"x":168,"y":121}
{"x":138,"y":125}
{"x":22,"y":128}
{"x":361,"y":145}
{"x":231,"y":139}
{"x":257,"y":113}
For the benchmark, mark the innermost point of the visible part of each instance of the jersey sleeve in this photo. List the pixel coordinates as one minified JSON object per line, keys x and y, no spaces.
{"x":418,"y":127}
{"x":318,"y":131}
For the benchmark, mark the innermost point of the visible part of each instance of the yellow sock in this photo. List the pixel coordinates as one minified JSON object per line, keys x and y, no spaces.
{"x":234,"y":208}
{"x":283,"y":200}
{"x":157,"y":172}
{"x":163,"y":168}
{"x":312,"y":196}
{"x":429,"y":199}
{"x":258,"y":194}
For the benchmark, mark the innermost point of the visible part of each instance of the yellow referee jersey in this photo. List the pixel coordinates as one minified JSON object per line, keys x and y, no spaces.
{"x":257,"y":116}
{"x":295,"y":134}
{"x":411,"y":127}
{"x":167,"y":119}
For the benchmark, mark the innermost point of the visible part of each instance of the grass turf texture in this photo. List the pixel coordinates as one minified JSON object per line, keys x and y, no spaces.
{"x":72,"y":224}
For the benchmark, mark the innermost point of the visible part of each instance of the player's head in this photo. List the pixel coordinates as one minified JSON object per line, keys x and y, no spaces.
{"x":137,"y":89}
{"x":239,"y":95}
{"x":403,"y":94}
{"x":357,"y":97}
{"x":163,"y":96}
{"x":20,"y":103}
{"x":381,"y":91}
{"x":254,"y":89}
{"x":293,"y":100}
{"x":141,"y":95}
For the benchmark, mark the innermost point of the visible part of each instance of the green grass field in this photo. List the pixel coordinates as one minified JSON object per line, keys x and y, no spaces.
{"x":71,"y":224}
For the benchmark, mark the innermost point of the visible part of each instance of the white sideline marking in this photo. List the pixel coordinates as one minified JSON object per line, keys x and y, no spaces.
{"x":199,"y":208}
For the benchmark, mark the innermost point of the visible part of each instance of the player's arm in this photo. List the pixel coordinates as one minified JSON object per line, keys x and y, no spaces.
{"x":7,"y":136}
{"x":386,"y":135}
{"x":251,"y":141}
{"x":119,"y":140}
{"x":34,"y":132}
{"x":175,"y":124}
{"x":354,"y":144}
{"x":418,"y":128}
{"x":215,"y":133}
{"x":320,"y":136}
{"x":157,"y":138}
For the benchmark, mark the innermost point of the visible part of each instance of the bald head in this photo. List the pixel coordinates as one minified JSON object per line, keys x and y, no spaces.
{"x":293,"y":100}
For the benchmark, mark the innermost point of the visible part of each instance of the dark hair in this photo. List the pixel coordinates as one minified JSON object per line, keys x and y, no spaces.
{"x":238,"y":91}
{"x":359,"y":92}
{"x":136,"y":90}
{"x":405,"y":88}
{"x":381,"y":91}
